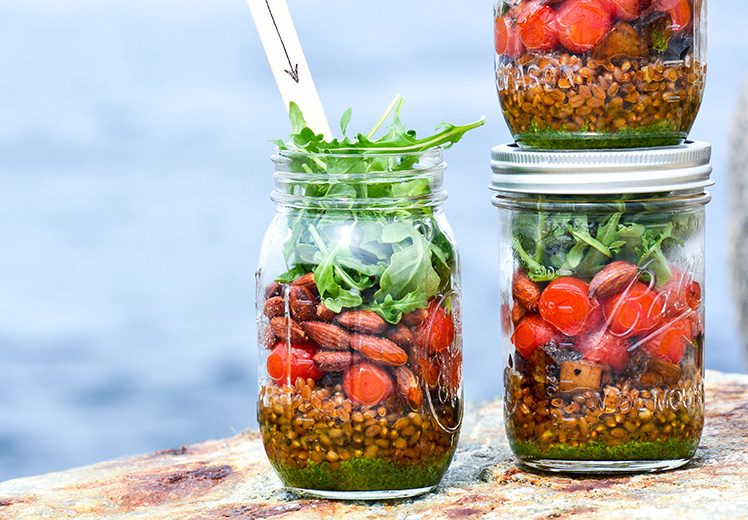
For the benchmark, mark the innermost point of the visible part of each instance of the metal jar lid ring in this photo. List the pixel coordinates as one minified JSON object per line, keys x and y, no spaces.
{"x":638,"y":170}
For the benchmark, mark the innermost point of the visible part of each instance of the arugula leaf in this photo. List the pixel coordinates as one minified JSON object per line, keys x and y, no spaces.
{"x":389,"y":260}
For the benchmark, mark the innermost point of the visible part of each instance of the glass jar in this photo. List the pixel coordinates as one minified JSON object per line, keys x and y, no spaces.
{"x":359,"y":324}
{"x":601,"y":286}
{"x":577,"y":74}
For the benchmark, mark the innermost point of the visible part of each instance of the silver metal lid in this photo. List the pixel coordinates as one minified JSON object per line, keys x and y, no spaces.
{"x":638,"y":170}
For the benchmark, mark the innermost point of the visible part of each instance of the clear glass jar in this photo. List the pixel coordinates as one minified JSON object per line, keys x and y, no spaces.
{"x":579,"y":74}
{"x":360,"y":339}
{"x":602,"y":310}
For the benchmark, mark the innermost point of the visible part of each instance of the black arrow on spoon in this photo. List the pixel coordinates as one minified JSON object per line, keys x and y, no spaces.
{"x":294,"y":72}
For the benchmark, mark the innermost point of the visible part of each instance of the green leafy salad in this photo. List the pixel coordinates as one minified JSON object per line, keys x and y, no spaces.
{"x":366,"y":232}
{"x":549,"y":244}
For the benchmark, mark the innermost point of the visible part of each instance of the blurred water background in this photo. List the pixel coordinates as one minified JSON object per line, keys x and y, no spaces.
{"x":134,"y":193}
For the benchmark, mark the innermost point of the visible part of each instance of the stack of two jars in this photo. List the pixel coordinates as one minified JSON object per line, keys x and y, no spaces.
{"x":601,"y":231}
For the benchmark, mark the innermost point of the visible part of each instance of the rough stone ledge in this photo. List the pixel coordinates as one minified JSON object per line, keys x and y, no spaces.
{"x":231,"y":479}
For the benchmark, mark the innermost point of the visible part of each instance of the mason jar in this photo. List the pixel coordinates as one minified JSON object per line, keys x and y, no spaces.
{"x":359,"y":322}
{"x":602,"y":303}
{"x":576,"y":74}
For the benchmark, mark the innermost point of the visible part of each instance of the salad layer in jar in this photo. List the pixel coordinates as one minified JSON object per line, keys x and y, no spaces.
{"x":599,"y":73}
{"x":606,"y":332}
{"x":359,"y":315}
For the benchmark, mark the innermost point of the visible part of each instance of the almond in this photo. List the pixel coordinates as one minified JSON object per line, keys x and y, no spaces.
{"x":414,"y":318}
{"x":266,"y":338}
{"x":287,"y":329}
{"x":368,"y":322}
{"x":307,"y":281}
{"x":273,"y":289}
{"x":380,"y":350}
{"x":525,"y":291}
{"x":325,"y":314}
{"x":518,"y":312}
{"x":329,"y":361}
{"x":273,"y":307}
{"x":613,"y":279}
{"x":327,"y":335}
{"x":400,"y":334}
{"x":407,"y":387}
{"x":301,"y":303}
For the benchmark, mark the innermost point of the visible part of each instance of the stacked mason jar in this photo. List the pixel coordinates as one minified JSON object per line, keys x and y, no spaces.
{"x":601,"y":228}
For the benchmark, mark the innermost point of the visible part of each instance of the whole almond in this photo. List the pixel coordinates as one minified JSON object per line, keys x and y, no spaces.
{"x":400,"y":334}
{"x":307,"y":280}
{"x":273,"y":289}
{"x":612,"y":279}
{"x":368,"y":322}
{"x":329,"y":361}
{"x":414,"y":318}
{"x":267,"y":338}
{"x":379,"y":350}
{"x":518,"y":312}
{"x":407,"y":386}
{"x":274,"y":306}
{"x":325,"y":314}
{"x":525,"y":291}
{"x":301,"y":303}
{"x":327,"y":335}
{"x":287,"y":329}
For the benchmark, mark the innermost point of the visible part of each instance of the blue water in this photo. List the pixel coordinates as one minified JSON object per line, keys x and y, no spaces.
{"x":134,"y":184}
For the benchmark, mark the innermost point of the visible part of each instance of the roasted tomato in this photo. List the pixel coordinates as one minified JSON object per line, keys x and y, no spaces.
{"x":671,"y":340}
{"x":367,"y":384}
{"x":437,"y":332}
{"x":286,"y":363}
{"x":582,"y":24}
{"x":565,"y":305}
{"x":506,"y":39}
{"x":635,"y":311}
{"x":532,"y":332}
{"x":603,"y":347}
{"x":536,"y":26}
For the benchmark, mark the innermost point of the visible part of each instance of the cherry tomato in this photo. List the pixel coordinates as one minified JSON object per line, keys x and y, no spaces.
{"x":671,"y":342}
{"x":536,"y":26}
{"x":565,"y":305}
{"x":367,"y":384}
{"x":626,"y":10}
{"x":437,"y":332}
{"x":634,"y":311}
{"x":679,"y":11}
{"x":680,"y":294}
{"x":286,"y":363}
{"x":532,"y":332}
{"x":603,"y":347}
{"x":506,"y":39}
{"x":583,"y":23}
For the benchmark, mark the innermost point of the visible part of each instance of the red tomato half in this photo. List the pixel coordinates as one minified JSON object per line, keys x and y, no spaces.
{"x":583,"y":23}
{"x":506,"y":39}
{"x":536,"y":26}
{"x":367,"y":384}
{"x":603,"y":347}
{"x":680,"y":294}
{"x":437,"y":332}
{"x":565,"y":305}
{"x":635,"y":311}
{"x":671,"y":344}
{"x":532,"y":332}
{"x":286,"y":363}
{"x":626,"y":10}
{"x":679,"y":11}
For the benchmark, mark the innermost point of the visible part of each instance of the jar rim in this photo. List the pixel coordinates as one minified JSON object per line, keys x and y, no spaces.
{"x":638,"y":170}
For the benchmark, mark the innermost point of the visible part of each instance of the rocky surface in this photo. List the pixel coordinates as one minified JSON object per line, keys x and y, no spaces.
{"x":231,"y":479}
